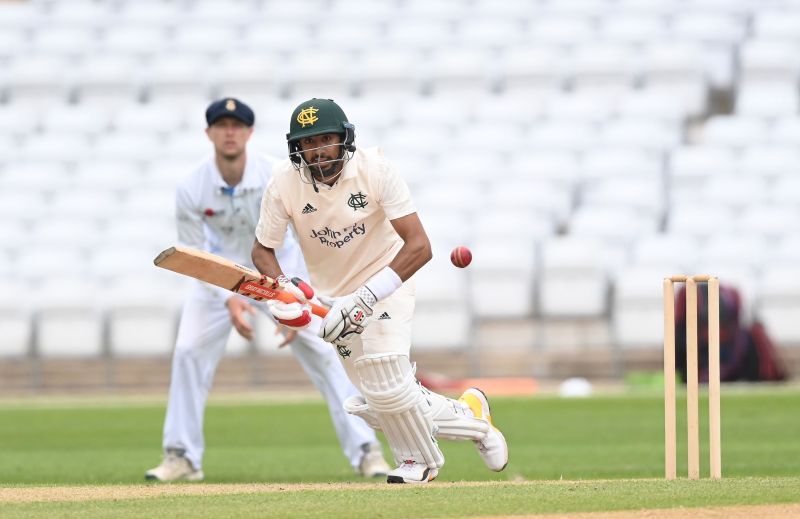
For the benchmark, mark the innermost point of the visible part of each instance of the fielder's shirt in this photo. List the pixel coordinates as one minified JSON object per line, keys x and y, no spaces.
{"x":344,"y":230}
{"x":215,"y":217}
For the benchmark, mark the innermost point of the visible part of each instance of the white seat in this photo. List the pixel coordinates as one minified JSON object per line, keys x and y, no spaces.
{"x":180,"y":79}
{"x":323,"y":74}
{"x":81,"y":119}
{"x":678,"y":68}
{"x":719,"y":34}
{"x":13,"y":40}
{"x":503,"y":277}
{"x":786,"y":132}
{"x":109,"y":81}
{"x":20,"y":15}
{"x":358,"y":30}
{"x":162,"y":119}
{"x":629,"y":163}
{"x":149,"y":202}
{"x":16,"y":317}
{"x":151,"y":13}
{"x":18,"y":120}
{"x":70,"y":322}
{"x":562,"y":30}
{"x":388,"y":71}
{"x":767,"y":100}
{"x":652,"y":136}
{"x":208,"y":39}
{"x":563,"y":136}
{"x":604,"y":68}
{"x":643,"y":196}
{"x":668,"y":252}
{"x":164,"y":175}
{"x":58,"y":147}
{"x":770,"y":162}
{"x":148,"y":233}
{"x":522,"y":224}
{"x":495,"y":138}
{"x":446,"y":229}
{"x":768,"y":60}
{"x":573,"y":283}
{"x":562,"y":167}
{"x":518,"y":108}
{"x":442,"y":297}
{"x":14,"y":236}
{"x":583,"y":107}
{"x":786,"y":190}
{"x":461,"y":196}
{"x":208,"y":12}
{"x":80,"y":14}
{"x":248,"y":76}
{"x":63,"y":41}
{"x":785,"y":253}
{"x":693,"y":166}
{"x":67,"y":231}
{"x":777,"y":24}
{"x":656,"y":104}
{"x":637,"y":312}
{"x":41,"y":260}
{"x":459,"y":72}
{"x":701,"y":220}
{"x":532,"y":69}
{"x":273,"y":34}
{"x":128,"y":146}
{"x":188,"y":144}
{"x":735,"y":192}
{"x":745,"y":251}
{"x":80,"y":203}
{"x":142,"y":315}
{"x":39,"y":80}
{"x":544,"y":199}
{"x":135,"y":40}
{"x":616,"y":224}
{"x":418,"y":33}
{"x":469,"y":168}
{"x":778,"y":303}
{"x":734,"y":131}
{"x":772,"y":222}
{"x":119,"y":259}
{"x":632,"y":28}
{"x":33,"y":181}
{"x":487,"y":32}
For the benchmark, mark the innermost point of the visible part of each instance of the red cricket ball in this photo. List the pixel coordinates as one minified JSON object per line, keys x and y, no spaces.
{"x":461,"y":257}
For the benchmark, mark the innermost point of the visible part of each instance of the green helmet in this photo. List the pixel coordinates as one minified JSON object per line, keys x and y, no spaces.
{"x":317,"y":117}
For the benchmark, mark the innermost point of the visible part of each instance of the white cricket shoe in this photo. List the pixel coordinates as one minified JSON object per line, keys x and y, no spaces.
{"x":412,"y":472}
{"x":174,"y":467}
{"x":372,"y":464}
{"x":493,"y":447}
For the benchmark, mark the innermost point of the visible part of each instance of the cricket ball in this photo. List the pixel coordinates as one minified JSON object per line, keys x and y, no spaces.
{"x":461,"y":257}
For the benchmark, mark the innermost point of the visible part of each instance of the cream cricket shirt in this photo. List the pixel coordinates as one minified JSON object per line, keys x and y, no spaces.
{"x":343,"y":230}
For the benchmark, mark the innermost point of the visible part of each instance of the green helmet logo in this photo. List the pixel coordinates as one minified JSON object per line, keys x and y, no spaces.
{"x":318,"y":117}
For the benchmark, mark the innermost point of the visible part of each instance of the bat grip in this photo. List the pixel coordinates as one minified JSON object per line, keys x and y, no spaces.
{"x":316,"y":309}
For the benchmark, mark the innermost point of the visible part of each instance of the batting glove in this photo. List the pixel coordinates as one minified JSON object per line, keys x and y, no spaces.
{"x":292,"y":315}
{"x":348,"y":317}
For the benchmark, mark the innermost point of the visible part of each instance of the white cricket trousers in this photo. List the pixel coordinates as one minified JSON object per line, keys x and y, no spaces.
{"x":202,"y":335}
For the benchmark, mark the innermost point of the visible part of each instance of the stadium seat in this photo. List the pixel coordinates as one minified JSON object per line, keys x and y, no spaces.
{"x":532,"y":70}
{"x":584,"y":107}
{"x":39,"y":80}
{"x":767,"y":100}
{"x":442,"y":297}
{"x":558,"y":135}
{"x":390,"y":71}
{"x":128,"y":147}
{"x":603,"y":67}
{"x":767,"y":61}
{"x":324,"y":74}
{"x":16,"y":312}
{"x":134,"y":40}
{"x":108,"y":81}
{"x":562,"y":167}
{"x":155,"y":118}
{"x":69,"y":43}
{"x":770,"y":221}
{"x":248,"y":76}
{"x":70,"y":322}
{"x":532,"y":197}
{"x":693,"y":166}
{"x":769,"y":162}
{"x":653,"y":104}
{"x":67,"y":230}
{"x":55,"y":147}
{"x":734,"y":132}
{"x":462,"y":73}
{"x":673,"y":253}
{"x":490,"y":33}
{"x":677,"y":67}
{"x":562,"y":30}
{"x":37,"y":179}
{"x":87,"y":120}
{"x":638,"y":307}
{"x":777,"y":24}
{"x":18,"y":120}
{"x":502,"y":278}
{"x":632,"y":28}
{"x":700,"y":220}
{"x":573,"y":283}
{"x":207,"y":39}
{"x":654,"y":137}
{"x":785,"y":131}
{"x":178,"y":79}
{"x":778,"y":304}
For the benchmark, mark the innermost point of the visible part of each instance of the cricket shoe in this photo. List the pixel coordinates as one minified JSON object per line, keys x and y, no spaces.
{"x":412,"y":472}
{"x":174,"y":467}
{"x":372,"y":464}
{"x":493,"y":447}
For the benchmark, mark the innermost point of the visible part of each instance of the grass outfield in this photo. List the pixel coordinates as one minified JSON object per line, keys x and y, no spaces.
{"x":607,"y":440}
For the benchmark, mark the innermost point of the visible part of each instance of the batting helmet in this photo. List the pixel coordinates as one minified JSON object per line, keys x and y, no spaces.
{"x":317,"y":117}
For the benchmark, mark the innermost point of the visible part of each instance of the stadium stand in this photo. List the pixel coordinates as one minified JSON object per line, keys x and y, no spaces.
{"x":584,"y":149}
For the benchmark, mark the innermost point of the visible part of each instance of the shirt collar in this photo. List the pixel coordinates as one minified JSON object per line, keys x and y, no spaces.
{"x":249,"y":178}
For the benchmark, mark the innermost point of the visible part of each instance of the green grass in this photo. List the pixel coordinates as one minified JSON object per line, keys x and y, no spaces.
{"x":603,"y":441}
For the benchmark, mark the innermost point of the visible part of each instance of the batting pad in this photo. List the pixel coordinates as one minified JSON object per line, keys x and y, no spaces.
{"x":404,"y":415}
{"x":356,"y":405}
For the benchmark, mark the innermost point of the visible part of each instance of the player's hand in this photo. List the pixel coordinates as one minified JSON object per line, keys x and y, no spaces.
{"x":295,"y":315}
{"x":348,"y":317}
{"x":287,"y":333}
{"x":237,"y":308}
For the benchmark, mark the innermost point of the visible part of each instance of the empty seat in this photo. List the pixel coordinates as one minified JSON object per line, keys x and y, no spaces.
{"x":701,"y":220}
{"x":778,"y":304}
{"x":768,"y":61}
{"x":62,"y":41}
{"x":692,"y":166}
{"x":584,"y":107}
{"x":744,"y":251}
{"x":460,"y":72}
{"x":67,"y":231}
{"x":770,"y":221}
{"x":208,"y":39}
{"x":644,"y":196}
{"x":162,"y":119}
{"x":518,"y":224}
{"x":80,"y":203}
{"x":573,"y":282}
{"x":18,"y":120}
{"x":769,"y":162}
{"x":735,"y":192}
{"x":419,"y":33}
{"x":604,"y":68}
{"x":179,"y":79}
{"x":503,"y":276}
{"x":571,"y":136}
{"x":392,"y":71}
{"x":786,"y":190}
{"x":767,"y":100}
{"x":441,"y":297}
{"x":135,"y":40}
{"x":16,"y":317}
{"x":128,"y":146}
{"x":654,"y":137}
{"x":657,"y":104}
{"x":59,"y":147}
{"x":39,"y":80}
{"x":614,"y":224}
{"x":109,"y":81}
{"x":561,"y":29}
{"x":628,"y":163}
{"x":531,"y":197}
{"x":248,"y":76}
{"x":671,"y":253}
{"x":70,"y":322}
{"x":632,"y":28}
{"x":86,"y":120}
{"x":529,"y":70}
{"x":733,"y":131}
{"x":493,"y":33}
{"x":777,"y":23}
{"x":785,"y":132}
{"x":322,"y":74}
{"x":638,"y":313}
{"x":37,"y":180}
{"x":148,"y":233}
{"x":679,"y":68}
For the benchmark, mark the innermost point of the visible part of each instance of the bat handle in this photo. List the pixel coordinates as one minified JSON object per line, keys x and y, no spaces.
{"x":318,"y":310}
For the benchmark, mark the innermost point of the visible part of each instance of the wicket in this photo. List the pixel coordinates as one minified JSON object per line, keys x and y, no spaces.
{"x":692,"y":395}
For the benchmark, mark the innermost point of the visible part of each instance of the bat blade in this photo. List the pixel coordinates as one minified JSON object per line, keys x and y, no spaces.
{"x":227,"y":274}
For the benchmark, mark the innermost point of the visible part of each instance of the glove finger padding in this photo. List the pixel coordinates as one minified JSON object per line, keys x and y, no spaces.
{"x":347,"y":318}
{"x":301,"y":290}
{"x":292,"y":315}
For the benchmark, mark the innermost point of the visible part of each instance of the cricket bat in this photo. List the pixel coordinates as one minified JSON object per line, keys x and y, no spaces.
{"x":225,"y":273}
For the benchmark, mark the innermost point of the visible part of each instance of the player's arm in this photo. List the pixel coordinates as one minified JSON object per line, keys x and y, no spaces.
{"x":416,"y":250}
{"x":265,"y":260}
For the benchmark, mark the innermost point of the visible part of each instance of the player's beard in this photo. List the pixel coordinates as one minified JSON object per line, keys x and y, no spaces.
{"x":323,"y":171}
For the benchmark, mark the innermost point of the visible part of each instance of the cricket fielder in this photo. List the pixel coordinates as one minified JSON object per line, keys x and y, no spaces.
{"x":217,"y":211}
{"x":363,"y":241}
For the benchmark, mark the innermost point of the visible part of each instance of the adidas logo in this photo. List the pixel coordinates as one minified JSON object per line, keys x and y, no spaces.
{"x":384,"y":315}
{"x":309,"y":209}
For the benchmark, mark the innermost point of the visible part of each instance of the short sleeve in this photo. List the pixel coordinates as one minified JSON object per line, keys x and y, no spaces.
{"x":394,"y":195}
{"x":273,"y":219}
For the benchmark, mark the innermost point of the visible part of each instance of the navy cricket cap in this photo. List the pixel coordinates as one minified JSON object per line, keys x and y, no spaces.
{"x":230,"y":107}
